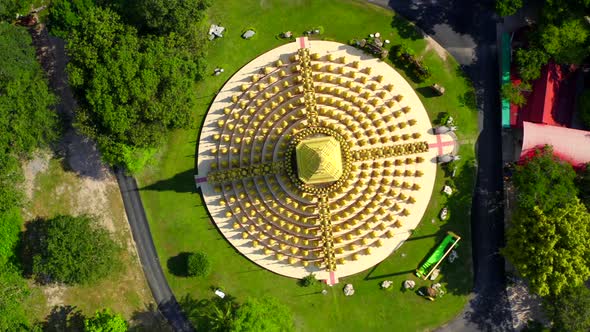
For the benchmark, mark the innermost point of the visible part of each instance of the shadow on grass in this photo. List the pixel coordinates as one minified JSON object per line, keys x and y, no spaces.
{"x":30,"y":244}
{"x":427,"y":92}
{"x":177,"y":265}
{"x":183,"y":182}
{"x":63,"y":318}
{"x":405,"y":28}
{"x":458,"y":275}
{"x":149,"y":319}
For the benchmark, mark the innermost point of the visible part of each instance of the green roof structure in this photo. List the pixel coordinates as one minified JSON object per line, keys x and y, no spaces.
{"x":319,"y":160}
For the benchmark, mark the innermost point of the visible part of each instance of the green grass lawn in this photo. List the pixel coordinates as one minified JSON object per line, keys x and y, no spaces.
{"x":179,"y":222}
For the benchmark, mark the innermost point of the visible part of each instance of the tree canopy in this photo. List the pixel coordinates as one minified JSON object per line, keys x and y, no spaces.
{"x":26,"y":118}
{"x":13,"y":292}
{"x":131,"y":90}
{"x":570,"y":311}
{"x":562,"y":35}
{"x":551,"y":249}
{"x":262,"y":315}
{"x":9,"y":8}
{"x":544,"y":181}
{"x":162,"y":17}
{"x":566,"y":41}
{"x":583,"y":184}
{"x":508,"y":7}
{"x":72,"y":250}
{"x":105,"y":321}
{"x":529,"y":62}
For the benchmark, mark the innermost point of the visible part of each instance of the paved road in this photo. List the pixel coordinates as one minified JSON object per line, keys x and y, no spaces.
{"x":467,"y":29}
{"x":140,"y":229}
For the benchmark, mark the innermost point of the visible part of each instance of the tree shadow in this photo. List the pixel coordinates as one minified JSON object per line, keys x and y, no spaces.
{"x":405,"y":29}
{"x":458,"y":280}
{"x":63,"y":318}
{"x":149,"y":319}
{"x":183,"y":182}
{"x":427,"y":92}
{"x":490,"y":310}
{"x":177,"y":265}
{"x":29,"y":245}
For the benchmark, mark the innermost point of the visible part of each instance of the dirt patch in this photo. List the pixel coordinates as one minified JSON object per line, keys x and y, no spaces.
{"x":432,"y":45}
{"x":31,"y":168}
{"x":92,"y":198}
{"x":54,"y":295}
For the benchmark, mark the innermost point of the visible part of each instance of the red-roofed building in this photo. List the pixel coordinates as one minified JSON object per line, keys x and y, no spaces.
{"x":571,"y":145}
{"x":551,"y":101}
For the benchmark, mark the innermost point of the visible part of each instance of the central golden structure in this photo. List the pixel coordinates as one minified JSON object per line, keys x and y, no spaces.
{"x":319,"y":160}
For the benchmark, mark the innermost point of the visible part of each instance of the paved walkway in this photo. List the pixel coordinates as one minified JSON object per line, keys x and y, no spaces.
{"x":166,"y":301}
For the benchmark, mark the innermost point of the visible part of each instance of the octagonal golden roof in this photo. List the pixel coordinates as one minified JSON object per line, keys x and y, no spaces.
{"x":319,"y":160}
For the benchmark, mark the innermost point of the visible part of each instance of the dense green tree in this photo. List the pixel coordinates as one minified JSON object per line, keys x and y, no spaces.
{"x":131,"y":90}
{"x":570,"y":311}
{"x":9,"y":8}
{"x":66,"y":15}
{"x":508,"y":7}
{"x":550,"y":249}
{"x":72,"y":250}
{"x":162,"y":17}
{"x":105,"y":321}
{"x":26,"y":118}
{"x":544,"y":181}
{"x":567,"y":41}
{"x":10,"y":226}
{"x":264,"y":315}
{"x":584,"y":107}
{"x":198,"y":264}
{"x":10,"y":178}
{"x":215,"y":315}
{"x":529,"y":62}
{"x":13,"y":291}
{"x":513,"y":93}
{"x":583,"y":185}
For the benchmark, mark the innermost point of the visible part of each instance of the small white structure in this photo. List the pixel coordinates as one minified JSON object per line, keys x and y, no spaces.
{"x":348,"y":290}
{"x":409,"y":284}
{"x":215,"y":31}
{"x":386,"y":284}
{"x":434,"y":274}
{"x":452,"y":256}
{"x":219,"y":293}
{"x":248,"y":34}
{"x":448,"y":190}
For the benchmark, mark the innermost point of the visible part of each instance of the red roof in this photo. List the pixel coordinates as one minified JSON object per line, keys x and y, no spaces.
{"x":551,"y":101}
{"x":571,"y":145}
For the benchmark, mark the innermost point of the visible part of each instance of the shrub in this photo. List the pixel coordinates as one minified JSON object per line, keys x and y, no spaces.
{"x":513,"y":93}
{"x":308,"y":280}
{"x":405,"y":57}
{"x":198,"y":265}
{"x":508,"y":7}
{"x":71,"y":250}
{"x":529,"y":63}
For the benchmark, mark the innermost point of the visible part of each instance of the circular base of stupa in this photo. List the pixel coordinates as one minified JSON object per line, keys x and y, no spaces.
{"x":244,"y":148}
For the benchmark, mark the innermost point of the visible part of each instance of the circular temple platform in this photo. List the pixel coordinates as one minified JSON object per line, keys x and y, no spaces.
{"x":316,"y":157}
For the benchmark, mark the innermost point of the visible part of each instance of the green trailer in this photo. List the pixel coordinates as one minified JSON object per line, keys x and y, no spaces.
{"x":443,"y":249}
